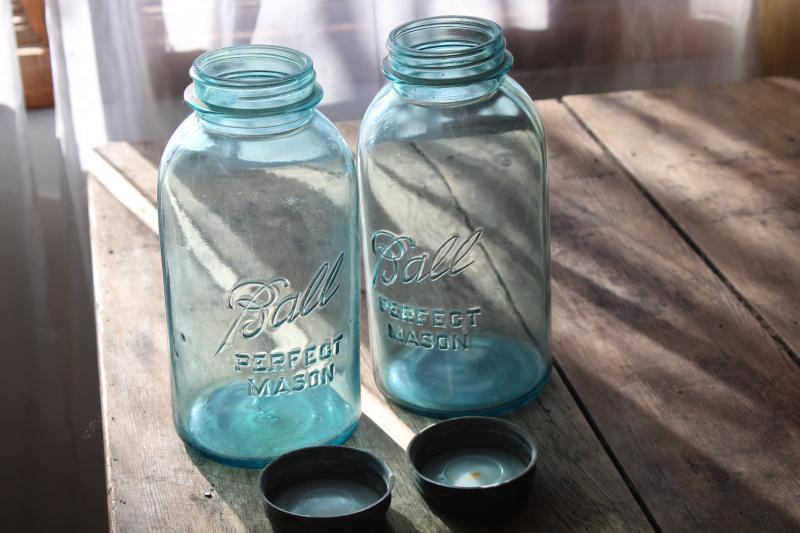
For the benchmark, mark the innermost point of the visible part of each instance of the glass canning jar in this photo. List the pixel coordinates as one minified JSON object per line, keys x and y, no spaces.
{"x":453,"y":188}
{"x":258,"y":216}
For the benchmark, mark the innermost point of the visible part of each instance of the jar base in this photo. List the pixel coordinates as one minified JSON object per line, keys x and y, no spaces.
{"x":228,"y":426}
{"x":495,"y":376}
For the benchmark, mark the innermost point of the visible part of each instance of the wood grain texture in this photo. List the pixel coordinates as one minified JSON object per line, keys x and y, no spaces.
{"x":138,"y":162}
{"x":33,"y":52}
{"x":162,"y":485}
{"x":779,"y":37}
{"x":694,"y":397}
{"x":724,"y":162}
{"x":793,"y":84}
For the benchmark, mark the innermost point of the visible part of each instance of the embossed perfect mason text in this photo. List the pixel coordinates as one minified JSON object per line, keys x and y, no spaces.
{"x":266,"y":306}
{"x":292,"y":370}
{"x":429,"y":326}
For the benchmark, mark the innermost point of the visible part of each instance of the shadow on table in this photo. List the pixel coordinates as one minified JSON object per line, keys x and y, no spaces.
{"x":685,"y":417}
{"x":235,"y":488}
{"x":570,"y":471}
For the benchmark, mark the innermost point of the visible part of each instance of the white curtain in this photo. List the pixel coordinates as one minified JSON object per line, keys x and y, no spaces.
{"x":22,"y":307}
{"x":48,"y":376}
{"x":17,"y":187}
{"x":35,"y":408}
{"x":20,"y":243}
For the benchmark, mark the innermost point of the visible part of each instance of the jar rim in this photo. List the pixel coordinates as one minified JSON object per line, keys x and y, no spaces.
{"x":253,"y":80}
{"x":480,"y":26}
{"x":222,"y":67}
{"x":446,"y":50}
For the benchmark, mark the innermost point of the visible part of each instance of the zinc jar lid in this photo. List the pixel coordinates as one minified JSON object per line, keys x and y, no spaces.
{"x":473,"y":464}
{"x":326,"y":489}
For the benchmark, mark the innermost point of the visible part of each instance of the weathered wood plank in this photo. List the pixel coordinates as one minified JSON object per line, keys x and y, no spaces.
{"x":136,"y":161}
{"x":577,"y":485}
{"x":694,"y":397}
{"x":349,"y":131}
{"x":793,"y":84}
{"x":724,"y":162}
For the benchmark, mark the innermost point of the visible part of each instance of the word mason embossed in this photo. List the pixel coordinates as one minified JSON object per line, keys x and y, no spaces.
{"x":254,"y":299}
{"x":450,"y":259}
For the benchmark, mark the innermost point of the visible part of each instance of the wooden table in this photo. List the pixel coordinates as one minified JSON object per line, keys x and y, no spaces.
{"x":675,"y":404}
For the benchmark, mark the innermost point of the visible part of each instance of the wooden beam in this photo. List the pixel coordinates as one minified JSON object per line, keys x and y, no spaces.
{"x":779,"y":37}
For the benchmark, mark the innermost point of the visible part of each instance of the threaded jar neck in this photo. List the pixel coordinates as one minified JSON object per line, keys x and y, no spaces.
{"x":442,"y":51}
{"x":247,"y":82}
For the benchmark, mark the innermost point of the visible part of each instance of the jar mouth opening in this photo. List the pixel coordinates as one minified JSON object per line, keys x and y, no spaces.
{"x":253,"y":80}
{"x":251,"y":66}
{"x":446,"y":50}
{"x":444,"y":37}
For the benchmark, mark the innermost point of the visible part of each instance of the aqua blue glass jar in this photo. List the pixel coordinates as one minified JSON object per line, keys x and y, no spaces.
{"x":258,"y":217}
{"x":453,"y":188}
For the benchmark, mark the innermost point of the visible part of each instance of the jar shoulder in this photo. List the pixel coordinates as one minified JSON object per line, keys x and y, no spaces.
{"x":316,"y":144}
{"x":391,"y":117}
